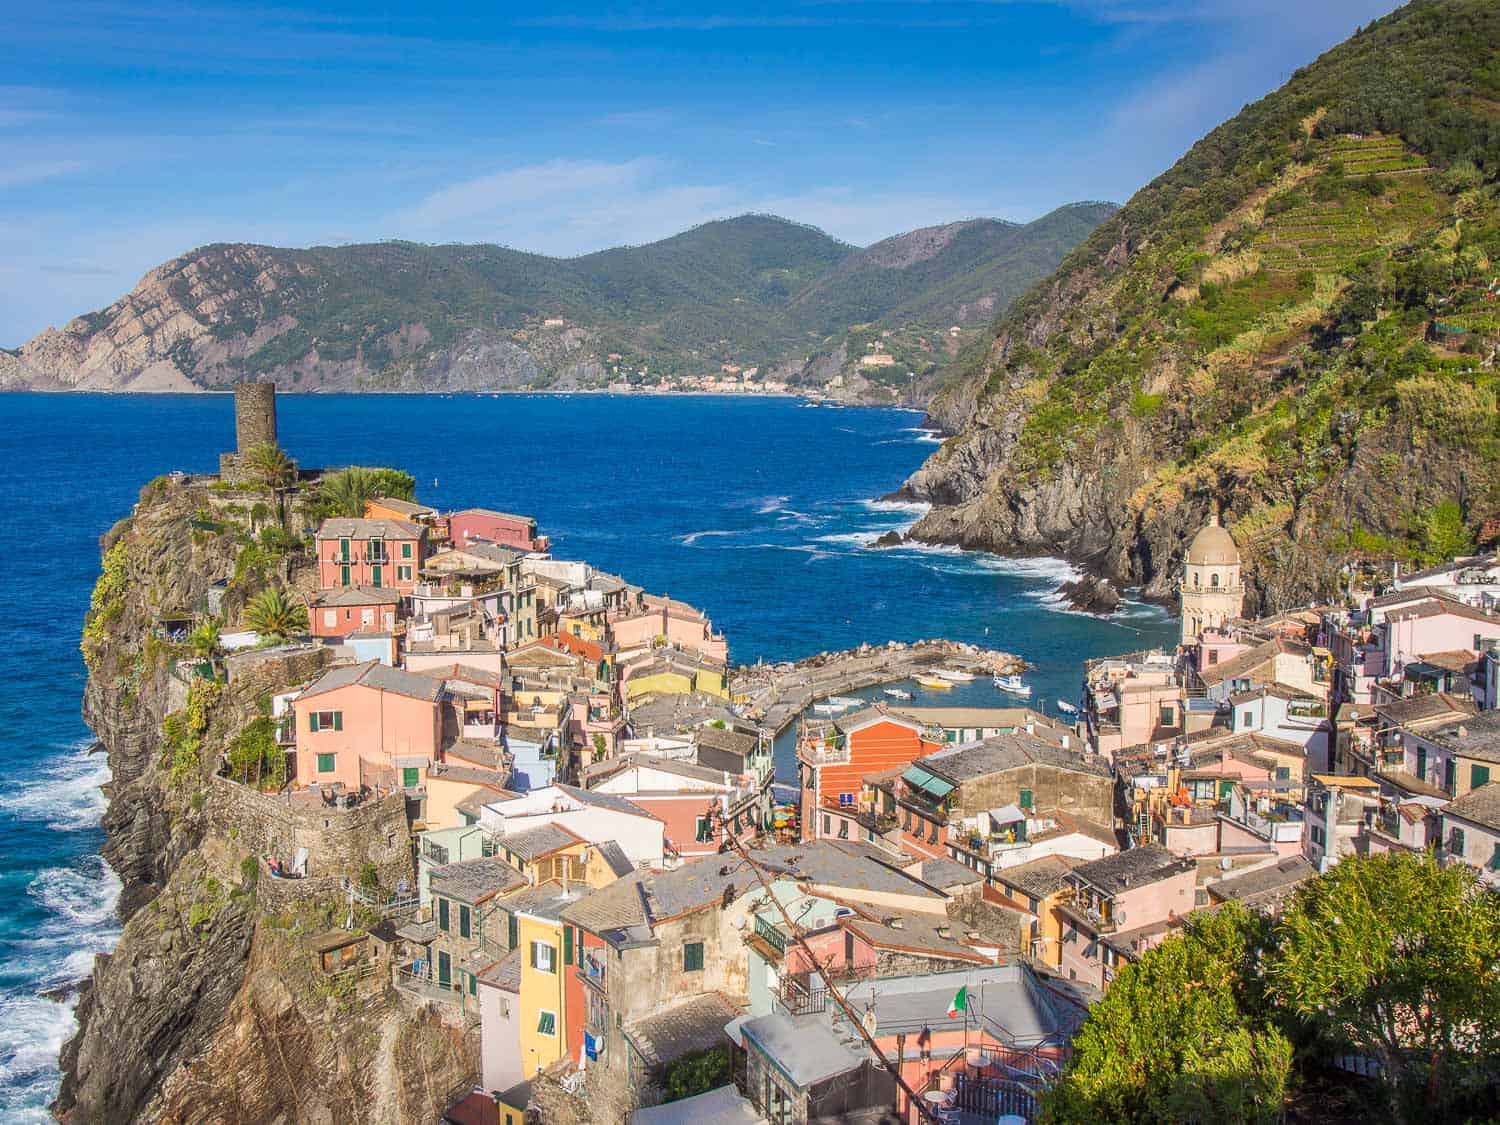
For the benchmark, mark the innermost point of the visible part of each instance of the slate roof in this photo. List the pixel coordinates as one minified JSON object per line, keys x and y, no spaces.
{"x":610,"y":767}
{"x":1437,"y":607}
{"x":1007,"y":751}
{"x":692,"y":1025}
{"x":543,"y":840}
{"x":545,"y":900}
{"x":603,"y":800}
{"x":475,"y":880}
{"x":342,"y":527}
{"x":1250,"y":660}
{"x":1474,"y":736}
{"x":505,"y":973}
{"x":615,"y":857}
{"x":355,"y":596}
{"x":732,"y":741}
{"x":1479,"y":806}
{"x":374,"y":674}
{"x":724,"y":1106}
{"x":1040,"y":877}
{"x":945,"y":873}
{"x":1426,"y":709}
{"x":1133,"y":868}
{"x":1265,"y":887}
{"x":910,"y":932}
{"x":405,"y":507}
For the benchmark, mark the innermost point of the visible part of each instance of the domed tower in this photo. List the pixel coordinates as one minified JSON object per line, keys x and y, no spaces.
{"x":1212,"y":592}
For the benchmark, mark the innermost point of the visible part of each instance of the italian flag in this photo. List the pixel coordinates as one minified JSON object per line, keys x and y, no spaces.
{"x":960,"y":1003}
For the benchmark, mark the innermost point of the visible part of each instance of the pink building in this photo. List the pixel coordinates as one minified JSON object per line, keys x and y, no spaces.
{"x":337,"y":613}
{"x":1120,"y":906}
{"x":679,"y":623}
{"x":368,"y":726}
{"x":700,"y":806}
{"x":474,"y":525}
{"x":379,"y":553}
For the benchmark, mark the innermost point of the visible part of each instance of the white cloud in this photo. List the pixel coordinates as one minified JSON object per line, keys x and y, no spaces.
{"x":490,"y":196}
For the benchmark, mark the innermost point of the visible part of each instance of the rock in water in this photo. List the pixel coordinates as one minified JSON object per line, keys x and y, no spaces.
{"x":1091,"y":595}
{"x":890,"y":539}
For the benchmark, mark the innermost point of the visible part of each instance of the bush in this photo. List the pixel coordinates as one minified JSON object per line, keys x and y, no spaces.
{"x":696,"y":1074}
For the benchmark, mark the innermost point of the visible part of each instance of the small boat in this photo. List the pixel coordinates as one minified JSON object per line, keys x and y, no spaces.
{"x":1012,"y":684}
{"x":846,"y":701}
{"x":956,"y":677}
{"x":936,"y":683}
{"x":1066,"y":708}
{"x":898,"y":693}
{"x":826,"y":708}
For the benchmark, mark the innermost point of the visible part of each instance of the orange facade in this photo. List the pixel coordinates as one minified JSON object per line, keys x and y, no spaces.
{"x":835,"y":776}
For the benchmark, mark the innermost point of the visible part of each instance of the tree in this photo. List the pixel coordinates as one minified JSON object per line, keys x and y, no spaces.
{"x":255,"y":756}
{"x":1395,"y":958}
{"x":204,"y":640}
{"x":345,"y":492}
{"x":1182,"y":1034}
{"x":1444,"y":535}
{"x":272,"y":614}
{"x":270,"y":465}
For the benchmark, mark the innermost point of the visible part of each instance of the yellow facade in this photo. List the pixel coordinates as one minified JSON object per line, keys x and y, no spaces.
{"x":543,"y":992}
{"x":676,"y":681}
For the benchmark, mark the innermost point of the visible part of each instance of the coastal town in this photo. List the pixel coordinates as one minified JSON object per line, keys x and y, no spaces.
{"x":542,"y":809}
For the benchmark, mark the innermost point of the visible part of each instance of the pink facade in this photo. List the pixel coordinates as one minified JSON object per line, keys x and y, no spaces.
{"x":379,"y":553}
{"x":334,"y":621}
{"x":474,"y":525}
{"x":362,"y":736}
{"x":1411,"y":634}
{"x":1216,"y":648}
{"x":680,"y":624}
{"x":1093,"y":924}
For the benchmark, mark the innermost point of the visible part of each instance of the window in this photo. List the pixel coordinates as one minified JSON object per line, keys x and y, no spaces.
{"x":1213,"y":579}
{"x":325,"y":763}
{"x":1025,"y":799}
{"x":827,"y":825}
{"x":843,"y":829}
{"x":1283,"y":773}
{"x":325,"y":720}
{"x":1033,"y":904}
{"x":464,"y":919}
{"x":848,"y":947}
{"x":403,"y":574}
{"x":1450,"y":774}
{"x":1213,"y":656}
{"x":344,"y":576}
{"x":330,"y":618}
{"x":546,"y":1023}
{"x":543,"y":957}
{"x":377,"y":550}
{"x":705,"y":829}
{"x":473,"y":984}
{"x":1478,"y":775}
{"x":411,"y":777}
{"x":1246,"y":718}
{"x":846,"y":799}
{"x":443,"y":914}
{"x":1456,"y":841}
{"x":1168,"y":715}
{"x":510,"y":931}
{"x":406,"y":552}
{"x":344,"y":551}
{"x":375,"y":576}
{"x":932,"y":833}
{"x":692,"y":957}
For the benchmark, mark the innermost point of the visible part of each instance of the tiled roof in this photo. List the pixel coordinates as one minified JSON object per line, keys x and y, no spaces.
{"x":615,"y":857}
{"x":505,"y":973}
{"x":692,"y":1025}
{"x":355,"y":596}
{"x":475,"y":880}
{"x":374,"y":674}
{"x":726,"y":739}
{"x":1250,"y":660}
{"x":1265,"y":886}
{"x":1136,"y":867}
{"x":342,"y":527}
{"x":909,"y":932}
{"x":1424,"y":710}
{"x":545,"y":900}
{"x":689,"y":770}
{"x":1479,"y":806}
{"x":1007,"y":751}
{"x":1474,"y":736}
{"x":1040,"y":877}
{"x":1438,"y":607}
{"x":492,"y":513}
{"x":945,"y":873}
{"x":543,"y":840}
{"x":604,"y":800}
{"x":405,"y":507}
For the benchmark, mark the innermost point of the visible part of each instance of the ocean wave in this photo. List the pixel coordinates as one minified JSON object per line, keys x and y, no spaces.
{"x":32,"y":1032}
{"x":857,"y":538}
{"x":1042,"y":569}
{"x":768,"y":504}
{"x":64,"y":794}
{"x":924,"y":436}
{"x":916,"y":507}
{"x":83,"y":895}
{"x":693,"y":537}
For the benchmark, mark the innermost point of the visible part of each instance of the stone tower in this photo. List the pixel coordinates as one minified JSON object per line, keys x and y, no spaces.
{"x":254,"y":424}
{"x":1212,"y":592}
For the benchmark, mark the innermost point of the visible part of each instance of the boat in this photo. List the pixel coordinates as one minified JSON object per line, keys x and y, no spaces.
{"x":846,"y":701}
{"x":1012,"y":684}
{"x":936,"y":683}
{"x":827,"y":709}
{"x":836,"y":704}
{"x":1066,"y":708}
{"x":898,"y":693}
{"x":955,"y":676}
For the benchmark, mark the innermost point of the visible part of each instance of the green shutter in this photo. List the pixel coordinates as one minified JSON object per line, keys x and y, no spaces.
{"x":473,"y":987}
{"x":443,"y":914}
{"x":406,"y":550}
{"x":1478,"y":775}
{"x":325,"y":763}
{"x":533,"y":955}
{"x":463,"y":920}
{"x":692,"y":957}
{"x":312,"y":720}
{"x":567,"y":945}
{"x":510,"y":931}
{"x":338,"y":720}
{"x":411,"y":777}
{"x":375,"y":576}
{"x":1026,"y":798}
{"x":344,"y":576}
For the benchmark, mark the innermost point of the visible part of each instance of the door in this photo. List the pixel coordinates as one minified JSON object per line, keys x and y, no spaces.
{"x":445,"y":969}
{"x":375,"y":579}
{"x":1422,"y":762}
{"x":411,"y":777}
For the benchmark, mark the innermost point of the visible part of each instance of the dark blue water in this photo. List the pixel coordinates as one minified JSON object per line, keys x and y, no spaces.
{"x":756,"y":510}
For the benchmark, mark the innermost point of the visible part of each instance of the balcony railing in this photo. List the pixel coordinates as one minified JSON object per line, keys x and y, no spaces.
{"x":771,"y":934}
{"x":824,"y":754}
{"x":592,"y":970}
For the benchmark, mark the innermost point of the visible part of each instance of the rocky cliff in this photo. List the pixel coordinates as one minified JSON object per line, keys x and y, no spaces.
{"x":752,"y":292}
{"x":1293,"y":327}
{"x":209,"y":1008}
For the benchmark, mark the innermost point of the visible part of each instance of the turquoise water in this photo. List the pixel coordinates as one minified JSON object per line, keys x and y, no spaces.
{"x":756,"y":510}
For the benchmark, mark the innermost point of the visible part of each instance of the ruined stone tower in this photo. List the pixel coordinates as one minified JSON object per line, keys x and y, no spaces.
{"x":254,"y":424}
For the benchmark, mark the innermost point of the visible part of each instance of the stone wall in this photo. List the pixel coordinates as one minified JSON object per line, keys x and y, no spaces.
{"x":254,"y":415}
{"x":1079,"y":792}
{"x":339,"y":842}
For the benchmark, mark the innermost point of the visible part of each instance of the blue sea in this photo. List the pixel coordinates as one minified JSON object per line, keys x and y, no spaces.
{"x":757,"y":510}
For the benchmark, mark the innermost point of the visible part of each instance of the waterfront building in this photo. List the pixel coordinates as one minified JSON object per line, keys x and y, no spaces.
{"x":1212,"y":592}
{"x":363,"y":552}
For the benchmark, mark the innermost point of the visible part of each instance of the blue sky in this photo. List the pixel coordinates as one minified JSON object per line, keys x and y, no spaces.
{"x":133,"y":133}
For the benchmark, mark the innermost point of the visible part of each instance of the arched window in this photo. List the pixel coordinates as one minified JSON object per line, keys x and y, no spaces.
{"x":1195,"y":579}
{"x":1213,"y":579}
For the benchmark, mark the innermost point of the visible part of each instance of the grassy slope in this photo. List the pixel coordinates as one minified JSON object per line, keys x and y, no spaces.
{"x":1257,"y":312}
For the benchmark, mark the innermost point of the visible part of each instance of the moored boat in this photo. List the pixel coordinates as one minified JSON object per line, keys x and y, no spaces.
{"x":1013,"y":684}
{"x":898,"y":693}
{"x":936,"y":683}
{"x":952,"y":674}
{"x":1066,"y":708}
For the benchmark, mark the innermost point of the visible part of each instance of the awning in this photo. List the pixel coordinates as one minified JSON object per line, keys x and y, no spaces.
{"x":927,"y":782}
{"x":1008,"y":815}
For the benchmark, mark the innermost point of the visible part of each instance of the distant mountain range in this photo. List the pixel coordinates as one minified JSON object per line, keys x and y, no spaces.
{"x":750,"y":292}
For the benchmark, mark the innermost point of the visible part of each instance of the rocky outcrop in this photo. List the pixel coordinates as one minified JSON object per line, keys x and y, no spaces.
{"x":1091,"y":595}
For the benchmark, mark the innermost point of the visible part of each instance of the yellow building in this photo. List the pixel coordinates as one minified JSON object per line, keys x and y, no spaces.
{"x":676,"y":673}
{"x":551,"y":852}
{"x":1037,"y":887}
{"x":547,"y":958}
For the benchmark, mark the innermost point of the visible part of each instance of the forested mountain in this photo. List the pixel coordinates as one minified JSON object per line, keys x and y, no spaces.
{"x":755,"y":291}
{"x":1295,"y":326}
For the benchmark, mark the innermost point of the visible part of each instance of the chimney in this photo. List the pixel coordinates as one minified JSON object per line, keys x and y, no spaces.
{"x":895,"y":923}
{"x":945,"y":931}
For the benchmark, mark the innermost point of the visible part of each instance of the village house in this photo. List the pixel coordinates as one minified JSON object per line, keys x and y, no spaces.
{"x":462,"y":906}
{"x":835,"y":756}
{"x":1265,"y":889}
{"x":1455,"y":756}
{"x":1470,"y":830}
{"x":1037,"y":887}
{"x":1368,"y":738}
{"x":971,"y":724}
{"x":335,"y":614}
{"x":409,"y":511}
{"x":654,"y":621}
{"x":595,"y":817}
{"x":666,"y":671}
{"x":367,"y":726}
{"x":1120,"y":906}
{"x":364,"y":552}
{"x":700,"y":806}
{"x":1132,"y":699}
{"x":1287,"y":714}
{"x":1337,"y":810}
{"x":483,"y":525}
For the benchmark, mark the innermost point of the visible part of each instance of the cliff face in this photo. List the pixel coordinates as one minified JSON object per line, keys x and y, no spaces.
{"x":209,"y":1008}
{"x":1291,"y":327}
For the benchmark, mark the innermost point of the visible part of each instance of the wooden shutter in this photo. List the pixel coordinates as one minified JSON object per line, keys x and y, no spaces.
{"x":567,"y":945}
{"x":338,"y":720}
{"x":312,"y":720}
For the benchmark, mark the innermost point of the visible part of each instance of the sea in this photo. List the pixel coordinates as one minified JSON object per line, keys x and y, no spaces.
{"x":759,"y":510}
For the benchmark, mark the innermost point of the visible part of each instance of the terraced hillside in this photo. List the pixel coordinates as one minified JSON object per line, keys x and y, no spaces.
{"x":1294,"y":326}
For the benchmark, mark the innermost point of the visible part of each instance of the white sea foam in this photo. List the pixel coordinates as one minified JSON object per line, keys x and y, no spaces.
{"x":925,"y":436}
{"x":32,"y":1032}
{"x":692,"y":538}
{"x":857,"y":538}
{"x":64,"y":793}
{"x":83,"y":896}
{"x":769,"y":504}
{"x":915,"y":507}
{"x":1044,"y":569}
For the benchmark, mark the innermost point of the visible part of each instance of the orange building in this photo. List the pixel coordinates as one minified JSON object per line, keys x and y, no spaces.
{"x":835,"y":756}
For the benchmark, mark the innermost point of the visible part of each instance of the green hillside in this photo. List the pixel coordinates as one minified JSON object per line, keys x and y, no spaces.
{"x":1296,"y":323}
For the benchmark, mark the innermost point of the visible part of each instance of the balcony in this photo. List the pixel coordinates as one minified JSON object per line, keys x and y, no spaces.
{"x":771,"y":934}
{"x":824,"y":753}
{"x":593,"y":971}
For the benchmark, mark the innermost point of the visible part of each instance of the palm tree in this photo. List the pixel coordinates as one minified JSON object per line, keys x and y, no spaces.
{"x":205,"y":639}
{"x":275,"y":471}
{"x":347,"y":491}
{"x":272,"y":614}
